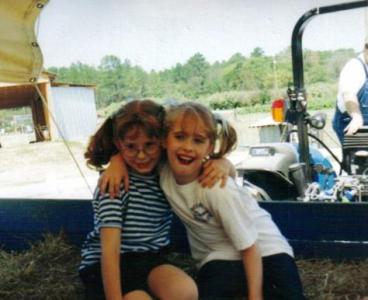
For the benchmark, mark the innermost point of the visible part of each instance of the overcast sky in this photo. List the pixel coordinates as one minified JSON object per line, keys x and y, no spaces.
{"x":157,"y":34}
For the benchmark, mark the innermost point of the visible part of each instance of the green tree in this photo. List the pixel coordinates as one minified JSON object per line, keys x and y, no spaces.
{"x":110,"y":63}
{"x":257,"y":52}
{"x":195,"y":74}
{"x":244,"y":80}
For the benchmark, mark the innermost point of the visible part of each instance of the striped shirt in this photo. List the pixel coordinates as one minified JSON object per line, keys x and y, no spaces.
{"x":143,"y":214}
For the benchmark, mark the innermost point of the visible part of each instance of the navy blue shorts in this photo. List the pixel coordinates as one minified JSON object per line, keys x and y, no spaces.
{"x":134,"y":267}
{"x":225,"y":280}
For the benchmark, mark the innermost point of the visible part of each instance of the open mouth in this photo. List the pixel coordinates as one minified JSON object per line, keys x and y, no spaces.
{"x":142,"y":165}
{"x":185,"y":160}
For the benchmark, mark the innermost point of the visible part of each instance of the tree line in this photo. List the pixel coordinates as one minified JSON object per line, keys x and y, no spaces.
{"x":240,"y":81}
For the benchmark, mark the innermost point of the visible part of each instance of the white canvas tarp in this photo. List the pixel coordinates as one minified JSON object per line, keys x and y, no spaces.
{"x":20,"y":55}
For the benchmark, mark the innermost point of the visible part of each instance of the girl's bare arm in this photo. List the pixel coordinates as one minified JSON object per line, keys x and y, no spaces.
{"x":116,"y":173}
{"x":252,"y":262}
{"x":110,"y":263}
{"x":215,"y":170}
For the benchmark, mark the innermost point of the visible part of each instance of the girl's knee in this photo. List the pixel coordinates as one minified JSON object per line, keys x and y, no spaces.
{"x":137,"y":295}
{"x":170,"y":282}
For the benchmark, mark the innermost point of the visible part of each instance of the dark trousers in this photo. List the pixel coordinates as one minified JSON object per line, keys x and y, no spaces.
{"x":134,"y":268}
{"x":225,"y":280}
{"x":339,"y":122}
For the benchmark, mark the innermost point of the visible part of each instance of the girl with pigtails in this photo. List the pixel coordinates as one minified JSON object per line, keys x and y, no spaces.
{"x":238,"y":248}
{"x":123,"y":257}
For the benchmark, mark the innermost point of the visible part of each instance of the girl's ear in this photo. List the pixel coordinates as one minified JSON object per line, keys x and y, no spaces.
{"x":117,"y":144}
{"x":211,"y":149}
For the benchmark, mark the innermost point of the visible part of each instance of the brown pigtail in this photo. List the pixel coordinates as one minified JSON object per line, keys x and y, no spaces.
{"x":101,"y":145}
{"x":145,"y":114}
{"x":226,"y":137}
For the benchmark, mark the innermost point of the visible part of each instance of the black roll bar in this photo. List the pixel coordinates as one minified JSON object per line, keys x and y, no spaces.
{"x":297,"y":96}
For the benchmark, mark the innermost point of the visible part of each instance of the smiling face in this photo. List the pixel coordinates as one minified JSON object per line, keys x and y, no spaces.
{"x":187,"y":145}
{"x":140,"y":152}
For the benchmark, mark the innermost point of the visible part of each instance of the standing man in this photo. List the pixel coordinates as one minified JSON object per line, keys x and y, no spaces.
{"x":352,"y":97}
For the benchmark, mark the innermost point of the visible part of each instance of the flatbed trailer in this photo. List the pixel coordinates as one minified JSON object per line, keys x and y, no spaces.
{"x":315,"y":230}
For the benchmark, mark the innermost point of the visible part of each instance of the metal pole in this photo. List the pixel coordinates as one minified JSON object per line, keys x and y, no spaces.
{"x":298,"y":105}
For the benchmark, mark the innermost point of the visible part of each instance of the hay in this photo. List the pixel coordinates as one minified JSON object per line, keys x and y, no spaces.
{"x":48,"y":270}
{"x":329,"y":280}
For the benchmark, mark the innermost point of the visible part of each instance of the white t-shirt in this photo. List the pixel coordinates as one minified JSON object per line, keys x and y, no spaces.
{"x":221,"y":222}
{"x":352,"y":78}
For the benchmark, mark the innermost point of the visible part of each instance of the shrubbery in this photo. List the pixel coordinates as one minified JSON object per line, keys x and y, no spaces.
{"x":319,"y":96}
{"x":239,"y":99}
{"x":237,"y":82}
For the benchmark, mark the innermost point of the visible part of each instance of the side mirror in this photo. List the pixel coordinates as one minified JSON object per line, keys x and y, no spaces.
{"x":318,"y":120}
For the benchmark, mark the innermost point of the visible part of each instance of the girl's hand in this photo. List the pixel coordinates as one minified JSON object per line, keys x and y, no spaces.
{"x":111,"y":179}
{"x":215,"y":170}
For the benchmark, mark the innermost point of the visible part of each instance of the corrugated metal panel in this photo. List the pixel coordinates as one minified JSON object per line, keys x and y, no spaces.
{"x":75,"y":111}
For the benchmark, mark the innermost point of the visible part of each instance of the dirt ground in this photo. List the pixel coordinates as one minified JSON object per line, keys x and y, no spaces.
{"x":47,"y":169}
{"x":43,"y":170}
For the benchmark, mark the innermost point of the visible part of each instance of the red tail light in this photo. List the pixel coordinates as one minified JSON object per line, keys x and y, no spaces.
{"x":278,"y":110}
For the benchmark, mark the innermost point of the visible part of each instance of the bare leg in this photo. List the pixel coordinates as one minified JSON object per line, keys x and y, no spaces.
{"x":168,"y":282}
{"x":137,"y":295}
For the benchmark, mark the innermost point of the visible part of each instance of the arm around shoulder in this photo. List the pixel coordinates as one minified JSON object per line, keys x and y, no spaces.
{"x":111,"y":179}
{"x":216,"y":170}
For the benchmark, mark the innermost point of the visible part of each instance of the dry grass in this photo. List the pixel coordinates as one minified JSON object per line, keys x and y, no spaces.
{"x":329,"y":280}
{"x":49,"y":271}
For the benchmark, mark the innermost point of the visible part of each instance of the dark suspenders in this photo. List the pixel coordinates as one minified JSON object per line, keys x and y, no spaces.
{"x":364,"y":66}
